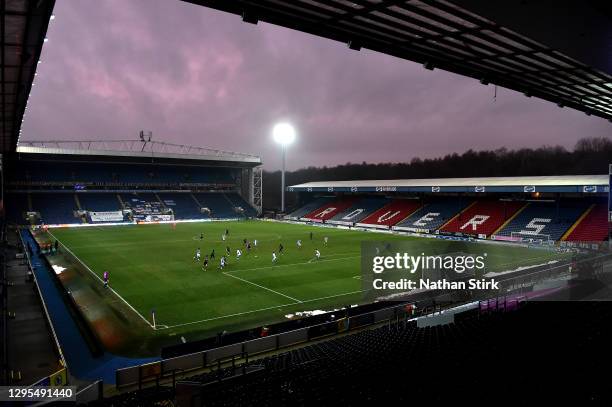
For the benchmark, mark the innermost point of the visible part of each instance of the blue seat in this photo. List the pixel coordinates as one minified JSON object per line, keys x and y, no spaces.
{"x":55,"y":208}
{"x":220,"y":207}
{"x":359,"y":210}
{"x":101,"y":202}
{"x":183,"y":205}
{"x":436,"y":215}
{"x":309,"y":207}
{"x":239,"y":202}
{"x":546,"y":218}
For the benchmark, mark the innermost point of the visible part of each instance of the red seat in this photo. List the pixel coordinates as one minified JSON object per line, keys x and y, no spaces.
{"x":483,"y":217}
{"x":593,"y":228}
{"x":329,"y":210}
{"x":392,"y":213}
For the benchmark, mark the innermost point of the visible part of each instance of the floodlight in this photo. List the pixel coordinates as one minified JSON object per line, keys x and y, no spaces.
{"x":283,"y":133}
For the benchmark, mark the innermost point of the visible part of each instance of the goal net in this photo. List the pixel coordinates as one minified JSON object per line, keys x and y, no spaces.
{"x":531,"y":238}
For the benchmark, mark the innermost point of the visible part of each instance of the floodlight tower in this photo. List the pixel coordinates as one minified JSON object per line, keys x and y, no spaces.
{"x":283,"y":134}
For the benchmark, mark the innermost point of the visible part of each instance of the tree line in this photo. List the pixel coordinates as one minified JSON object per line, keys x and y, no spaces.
{"x":590,"y":155}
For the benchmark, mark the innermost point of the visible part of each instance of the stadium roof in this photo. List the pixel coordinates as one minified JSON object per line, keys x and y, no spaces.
{"x":23,"y":26}
{"x":136,"y":149}
{"x":562,"y":183}
{"x":560,"y":53}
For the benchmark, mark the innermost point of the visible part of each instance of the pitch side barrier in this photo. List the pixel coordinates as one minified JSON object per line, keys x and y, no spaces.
{"x":483,"y":240}
{"x":169,"y":367}
{"x":86,"y":330}
{"x":58,"y":347}
{"x":428,"y":233}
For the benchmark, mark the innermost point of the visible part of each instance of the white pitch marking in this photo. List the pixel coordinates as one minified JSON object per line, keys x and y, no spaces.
{"x":261,"y":286}
{"x":290,"y":264}
{"x":261,"y":309}
{"x":102,"y":281}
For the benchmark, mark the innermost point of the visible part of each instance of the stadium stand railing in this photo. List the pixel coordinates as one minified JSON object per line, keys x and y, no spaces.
{"x":403,"y":352}
{"x":230,"y":347}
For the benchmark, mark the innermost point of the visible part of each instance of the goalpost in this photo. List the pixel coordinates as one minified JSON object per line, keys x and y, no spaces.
{"x":531,"y":238}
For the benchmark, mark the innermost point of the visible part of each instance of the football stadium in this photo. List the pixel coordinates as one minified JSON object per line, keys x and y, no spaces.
{"x":145,"y":272}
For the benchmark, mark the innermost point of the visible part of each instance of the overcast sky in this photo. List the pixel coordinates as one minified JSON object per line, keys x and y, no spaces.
{"x":202,"y":77}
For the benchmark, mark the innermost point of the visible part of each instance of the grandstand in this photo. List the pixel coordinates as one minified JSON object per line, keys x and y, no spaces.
{"x":52,"y":185}
{"x":563,"y":208}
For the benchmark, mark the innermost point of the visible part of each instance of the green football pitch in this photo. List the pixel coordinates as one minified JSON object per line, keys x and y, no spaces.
{"x":152,"y":267}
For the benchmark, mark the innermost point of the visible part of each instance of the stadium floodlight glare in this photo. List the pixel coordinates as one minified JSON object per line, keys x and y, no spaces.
{"x":284,"y":134}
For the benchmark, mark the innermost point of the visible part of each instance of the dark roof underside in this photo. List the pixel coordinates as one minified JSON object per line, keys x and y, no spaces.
{"x":441,"y":34}
{"x":23,"y":26}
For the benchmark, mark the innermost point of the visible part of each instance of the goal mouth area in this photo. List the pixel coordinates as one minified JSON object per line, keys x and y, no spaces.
{"x":531,"y":237}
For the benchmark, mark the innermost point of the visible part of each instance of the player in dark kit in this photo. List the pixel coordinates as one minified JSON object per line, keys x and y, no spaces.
{"x":228,"y":251}
{"x":205,"y":263}
{"x":212,"y":254}
{"x":280,"y":248}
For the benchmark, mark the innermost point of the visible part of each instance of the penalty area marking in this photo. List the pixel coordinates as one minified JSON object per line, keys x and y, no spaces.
{"x":261,"y":286}
{"x":261,"y":309}
{"x":102,"y":281}
{"x":288,"y":265}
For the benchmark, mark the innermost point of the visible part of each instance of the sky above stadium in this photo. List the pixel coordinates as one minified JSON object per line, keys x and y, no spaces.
{"x":202,"y":77}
